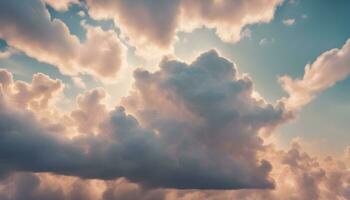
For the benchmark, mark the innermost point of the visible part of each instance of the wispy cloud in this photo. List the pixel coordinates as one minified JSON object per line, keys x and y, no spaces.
{"x":289,"y":22}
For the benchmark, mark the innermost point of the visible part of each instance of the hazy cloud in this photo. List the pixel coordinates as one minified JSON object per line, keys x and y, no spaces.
{"x":289,"y":22}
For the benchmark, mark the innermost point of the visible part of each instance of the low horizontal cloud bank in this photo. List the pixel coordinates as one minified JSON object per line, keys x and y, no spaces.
{"x":28,"y":27}
{"x":44,"y":186}
{"x":330,"y":67}
{"x":153,"y":24}
{"x":298,"y":175}
{"x":190,"y":127}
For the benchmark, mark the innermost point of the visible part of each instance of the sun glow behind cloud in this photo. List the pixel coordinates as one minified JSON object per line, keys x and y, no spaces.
{"x":155,"y":100}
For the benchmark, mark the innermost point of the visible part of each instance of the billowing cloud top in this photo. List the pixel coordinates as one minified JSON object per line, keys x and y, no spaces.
{"x":184,"y":130}
{"x":196,"y":128}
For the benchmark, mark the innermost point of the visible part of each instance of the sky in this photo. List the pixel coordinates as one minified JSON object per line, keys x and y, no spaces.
{"x":174,"y":99}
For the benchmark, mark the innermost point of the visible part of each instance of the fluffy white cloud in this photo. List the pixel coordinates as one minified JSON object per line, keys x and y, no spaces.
{"x":36,"y":95}
{"x":324,"y":72}
{"x":7,"y":52}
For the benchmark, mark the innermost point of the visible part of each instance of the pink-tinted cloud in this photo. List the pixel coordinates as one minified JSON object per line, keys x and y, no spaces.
{"x":330,"y":67}
{"x":91,"y":111}
{"x":154,"y":24}
{"x":33,"y":32}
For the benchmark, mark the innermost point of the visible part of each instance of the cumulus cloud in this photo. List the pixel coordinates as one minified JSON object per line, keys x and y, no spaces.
{"x":216,"y":114}
{"x":168,"y":136}
{"x":298,"y":175}
{"x":228,"y":17}
{"x":199,"y":137}
{"x":91,"y":111}
{"x":324,"y":72}
{"x":144,"y":23}
{"x":154,"y":24}
{"x":29,"y":28}
{"x":36,"y":95}
{"x":102,"y":55}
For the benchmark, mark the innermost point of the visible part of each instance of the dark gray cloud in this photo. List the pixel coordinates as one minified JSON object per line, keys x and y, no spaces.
{"x":190,"y":127}
{"x":26,"y":146}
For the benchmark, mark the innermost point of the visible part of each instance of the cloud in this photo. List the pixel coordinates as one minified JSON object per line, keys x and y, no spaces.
{"x":153,"y":25}
{"x":288,"y":22}
{"x":216,"y":114}
{"x":61,"y":5}
{"x":28,"y":146}
{"x":30,"y":186}
{"x":298,"y":175}
{"x":81,"y":13}
{"x":7,"y":52}
{"x":29,"y":28}
{"x":324,"y":72}
{"x":199,"y":137}
{"x":36,"y":95}
{"x":124,"y":190}
{"x":266,"y":41}
{"x":102,"y":55}
{"x":227,"y":17}
{"x":91,"y":111}
{"x":168,"y":135}
{"x":144,"y":23}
